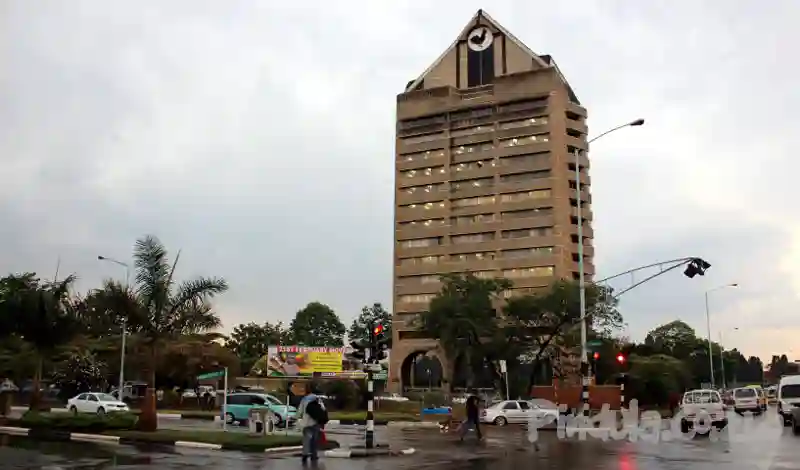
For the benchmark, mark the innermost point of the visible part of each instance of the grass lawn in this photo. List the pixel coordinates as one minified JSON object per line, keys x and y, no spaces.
{"x":379,"y":415}
{"x":229,"y":440}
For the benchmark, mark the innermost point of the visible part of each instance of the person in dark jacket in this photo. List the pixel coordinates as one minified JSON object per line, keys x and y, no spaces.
{"x":473,"y":418}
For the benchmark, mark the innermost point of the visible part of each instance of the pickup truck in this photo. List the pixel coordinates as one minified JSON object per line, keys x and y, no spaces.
{"x":702,"y":407}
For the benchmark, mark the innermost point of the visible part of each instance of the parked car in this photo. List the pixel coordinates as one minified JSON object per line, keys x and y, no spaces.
{"x":98,"y":403}
{"x":240,"y":404}
{"x":702,"y":406}
{"x":506,"y":412}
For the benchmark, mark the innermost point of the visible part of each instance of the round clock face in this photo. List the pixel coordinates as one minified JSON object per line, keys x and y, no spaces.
{"x":479,"y":39}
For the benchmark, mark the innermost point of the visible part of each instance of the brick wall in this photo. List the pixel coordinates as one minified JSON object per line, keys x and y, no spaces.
{"x":571,"y":395}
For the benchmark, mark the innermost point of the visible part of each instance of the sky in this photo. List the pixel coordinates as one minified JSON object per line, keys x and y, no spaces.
{"x":258,"y":138}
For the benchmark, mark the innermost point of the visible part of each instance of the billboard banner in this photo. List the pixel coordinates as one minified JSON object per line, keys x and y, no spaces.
{"x":298,"y":361}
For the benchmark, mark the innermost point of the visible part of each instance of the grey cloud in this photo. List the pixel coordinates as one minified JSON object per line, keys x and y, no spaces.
{"x":259,"y":138}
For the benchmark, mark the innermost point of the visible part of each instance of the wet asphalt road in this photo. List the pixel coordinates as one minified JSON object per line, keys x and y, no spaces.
{"x":753,"y":443}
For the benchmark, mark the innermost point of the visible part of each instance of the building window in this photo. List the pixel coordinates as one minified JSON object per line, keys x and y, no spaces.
{"x":420,"y":122}
{"x":424,"y":205}
{"x":537,"y":121}
{"x":483,"y":274}
{"x":525,"y":195}
{"x":420,"y":156}
{"x":522,"y":273}
{"x":523,"y":177}
{"x":438,"y":170}
{"x":476,"y":165}
{"x":472,"y":238}
{"x":464,"y":257}
{"x":424,"y":223}
{"x":427,"y":279}
{"x":418,"y":139}
{"x":421,"y":260}
{"x":462,"y":149}
{"x":517,"y":292}
{"x":473,"y":201}
{"x":473,"y":183}
{"x":527,"y":252}
{"x":525,"y":140}
{"x":416,"y":298}
{"x":421,"y":242}
{"x":522,"y":105}
{"x":526,"y":213}
{"x":471,"y":131}
{"x":472,"y":219}
{"x":526,"y":159}
{"x":426,"y":188}
{"x":528,"y":232}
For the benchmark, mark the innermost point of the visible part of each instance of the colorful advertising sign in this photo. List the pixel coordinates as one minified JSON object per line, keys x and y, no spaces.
{"x":298,"y":361}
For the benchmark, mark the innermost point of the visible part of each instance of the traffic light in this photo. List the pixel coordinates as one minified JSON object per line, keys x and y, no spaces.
{"x":596,"y":355}
{"x":379,"y":343}
{"x":621,"y":358}
{"x":697,"y":266}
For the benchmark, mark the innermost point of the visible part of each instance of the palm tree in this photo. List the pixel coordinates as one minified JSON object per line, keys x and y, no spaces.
{"x":158,"y":309}
{"x":43,"y":314}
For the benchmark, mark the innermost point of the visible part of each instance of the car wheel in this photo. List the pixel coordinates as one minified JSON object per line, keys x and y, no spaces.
{"x":795,"y":426}
{"x":73,"y":410}
{"x":276,"y":420}
{"x":101,"y":412}
{"x":500,"y":421}
{"x":684,"y":427}
{"x":786,"y":421}
{"x":229,"y":418}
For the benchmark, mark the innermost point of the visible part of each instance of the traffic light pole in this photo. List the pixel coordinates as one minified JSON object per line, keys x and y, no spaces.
{"x":369,"y":438}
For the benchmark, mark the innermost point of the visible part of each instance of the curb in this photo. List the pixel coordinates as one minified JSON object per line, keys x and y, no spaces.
{"x":356,"y":453}
{"x":203,"y":417}
{"x":117,"y":440}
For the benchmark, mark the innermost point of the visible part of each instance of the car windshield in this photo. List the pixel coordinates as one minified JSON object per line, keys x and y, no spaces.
{"x":790,"y":391}
{"x":272,"y":400}
{"x":105,"y":397}
{"x":701,"y":397}
{"x":744,"y":393}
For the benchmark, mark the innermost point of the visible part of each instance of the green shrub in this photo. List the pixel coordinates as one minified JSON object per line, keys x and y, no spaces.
{"x":79,"y":422}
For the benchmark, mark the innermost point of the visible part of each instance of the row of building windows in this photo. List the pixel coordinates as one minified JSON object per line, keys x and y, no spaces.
{"x":484,"y":200}
{"x":516,"y":273}
{"x":420,"y":157}
{"x":529,"y":104}
{"x":480,"y":218}
{"x":427,"y":298}
{"x":478,"y":237}
{"x":478,"y":182}
{"x":478,"y":147}
{"x":480,"y":256}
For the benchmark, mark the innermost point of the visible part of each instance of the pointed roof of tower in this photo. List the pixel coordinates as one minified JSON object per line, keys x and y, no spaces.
{"x":481,"y":17}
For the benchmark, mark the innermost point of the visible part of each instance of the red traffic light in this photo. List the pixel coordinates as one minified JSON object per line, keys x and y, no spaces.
{"x":620,"y":358}
{"x":596,"y":356}
{"x":377,"y":330}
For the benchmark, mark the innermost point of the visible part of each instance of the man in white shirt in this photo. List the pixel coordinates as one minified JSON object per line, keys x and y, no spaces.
{"x":309,"y":414}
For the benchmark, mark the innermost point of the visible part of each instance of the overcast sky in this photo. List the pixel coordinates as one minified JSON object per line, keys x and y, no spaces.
{"x":258,"y":138}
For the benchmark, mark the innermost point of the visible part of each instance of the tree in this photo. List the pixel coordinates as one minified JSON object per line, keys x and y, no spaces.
{"x":43,"y":315}
{"x":654,"y":378}
{"x":545,"y":324}
{"x":80,"y":371}
{"x":463,"y":317}
{"x":370,"y":315}
{"x":250,"y":341}
{"x":159,"y":309}
{"x":317,"y":325}
{"x":676,"y":339}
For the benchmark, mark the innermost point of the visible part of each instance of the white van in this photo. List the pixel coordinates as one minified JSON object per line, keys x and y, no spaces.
{"x":702,"y":407}
{"x":789,"y":401}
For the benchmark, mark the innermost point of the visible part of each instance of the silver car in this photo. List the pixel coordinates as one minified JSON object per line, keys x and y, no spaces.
{"x":507,"y":412}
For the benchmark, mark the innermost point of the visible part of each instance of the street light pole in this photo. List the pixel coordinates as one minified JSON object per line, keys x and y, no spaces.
{"x":585,"y":378}
{"x":722,"y":362}
{"x":124,"y":323}
{"x":708,"y":326}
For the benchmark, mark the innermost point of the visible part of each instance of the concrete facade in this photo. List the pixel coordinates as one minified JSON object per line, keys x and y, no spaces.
{"x":485,"y":177}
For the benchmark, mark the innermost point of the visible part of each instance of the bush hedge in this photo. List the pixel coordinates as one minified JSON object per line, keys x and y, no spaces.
{"x":79,"y":422}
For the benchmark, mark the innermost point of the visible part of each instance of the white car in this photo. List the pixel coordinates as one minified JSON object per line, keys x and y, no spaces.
{"x":98,"y":403}
{"x":746,"y":399}
{"x":789,"y":401}
{"x":702,"y":407}
{"x":392,"y":397}
{"x":507,"y":411}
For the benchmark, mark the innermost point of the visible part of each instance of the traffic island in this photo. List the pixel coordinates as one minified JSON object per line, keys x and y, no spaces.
{"x":210,"y":440}
{"x":380,"y":450}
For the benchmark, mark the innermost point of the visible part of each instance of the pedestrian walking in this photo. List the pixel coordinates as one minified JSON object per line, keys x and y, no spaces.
{"x":473,"y":419}
{"x":312,"y":417}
